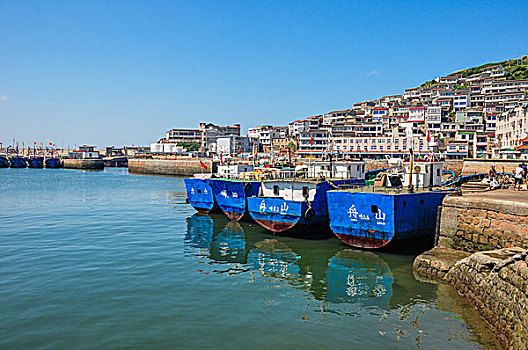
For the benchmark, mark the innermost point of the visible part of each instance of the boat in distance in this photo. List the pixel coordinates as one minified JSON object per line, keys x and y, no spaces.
{"x":200,"y":195}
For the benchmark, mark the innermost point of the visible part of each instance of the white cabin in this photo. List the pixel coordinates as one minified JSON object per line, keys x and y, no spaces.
{"x":290,"y":190}
{"x":233,"y":171}
{"x":337,"y":170}
{"x":424,"y":174}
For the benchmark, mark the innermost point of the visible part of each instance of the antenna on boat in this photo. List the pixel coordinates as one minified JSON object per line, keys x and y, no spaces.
{"x":411,"y":164}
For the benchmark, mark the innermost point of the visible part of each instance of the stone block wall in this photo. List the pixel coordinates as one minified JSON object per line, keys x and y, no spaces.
{"x":454,"y":165}
{"x":83,"y":163}
{"x":375,"y":164}
{"x":475,"y":224}
{"x":477,"y":166}
{"x":496,"y":283}
{"x":180,"y":167}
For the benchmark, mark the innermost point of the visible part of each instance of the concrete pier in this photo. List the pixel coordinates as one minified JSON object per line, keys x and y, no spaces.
{"x":83,"y":163}
{"x":179,"y":167}
{"x":482,"y":252}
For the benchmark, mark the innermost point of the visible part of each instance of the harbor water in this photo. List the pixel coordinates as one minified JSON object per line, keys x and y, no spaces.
{"x":106,"y":259}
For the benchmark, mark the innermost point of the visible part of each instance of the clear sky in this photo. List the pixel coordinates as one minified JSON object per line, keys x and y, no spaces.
{"x":124,"y":72}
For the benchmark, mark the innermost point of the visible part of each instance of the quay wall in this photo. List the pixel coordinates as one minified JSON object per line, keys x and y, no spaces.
{"x":179,"y":167}
{"x":474,"y":224}
{"x":477,"y":166}
{"x":481,"y":251}
{"x":83,"y":163}
{"x":375,"y":164}
{"x":496,"y":284}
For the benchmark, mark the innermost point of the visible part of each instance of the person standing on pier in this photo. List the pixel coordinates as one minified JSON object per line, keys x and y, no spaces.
{"x":519,"y":174}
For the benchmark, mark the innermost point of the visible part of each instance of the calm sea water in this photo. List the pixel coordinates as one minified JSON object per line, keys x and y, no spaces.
{"x":112,"y":260}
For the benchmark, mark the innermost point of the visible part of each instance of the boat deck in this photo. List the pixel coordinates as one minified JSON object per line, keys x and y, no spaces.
{"x":391,"y":190}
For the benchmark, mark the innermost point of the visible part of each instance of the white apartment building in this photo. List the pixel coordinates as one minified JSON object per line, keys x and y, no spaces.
{"x":461,"y":101}
{"x":512,"y":126}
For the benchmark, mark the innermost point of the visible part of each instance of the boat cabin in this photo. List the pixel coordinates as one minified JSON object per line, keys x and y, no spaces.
{"x":233,"y":171}
{"x":85,"y":152}
{"x":424,"y":174}
{"x":337,"y":170}
{"x":289,"y":190}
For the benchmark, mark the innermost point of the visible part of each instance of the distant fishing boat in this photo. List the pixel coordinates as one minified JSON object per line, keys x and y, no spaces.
{"x":231,"y":190}
{"x":53,"y":163}
{"x":35,"y":162}
{"x":299,"y":206}
{"x":4,"y":161}
{"x":18,"y":162}
{"x":387,"y":213}
{"x":200,"y":195}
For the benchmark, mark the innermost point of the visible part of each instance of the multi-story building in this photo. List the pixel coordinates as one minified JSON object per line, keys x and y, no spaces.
{"x":512,"y":126}
{"x":313,"y":142}
{"x":210,"y":132}
{"x":461,"y":101}
{"x":235,"y":144}
{"x":182,"y":136}
{"x":266,"y":134}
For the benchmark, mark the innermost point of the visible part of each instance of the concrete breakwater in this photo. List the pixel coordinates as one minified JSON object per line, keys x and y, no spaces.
{"x":83,"y":163}
{"x":180,"y":167}
{"x":481,"y":251}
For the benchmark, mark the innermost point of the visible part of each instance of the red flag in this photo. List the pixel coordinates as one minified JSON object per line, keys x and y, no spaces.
{"x":202,"y":164}
{"x":239,"y":150}
{"x":221,"y":157}
{"x":51,"y":144}
{"x":428,"y":136}
{"x":311,"y":139}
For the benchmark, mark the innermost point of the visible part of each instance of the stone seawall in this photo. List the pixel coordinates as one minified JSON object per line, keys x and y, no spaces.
{"x":477,"y":166}
{"x":476,"y":223}
{"x":375,"y":164}
{"x":496,"y":283}
{"x":481,"y":252}
{"x":83,"y":163}
{"x":180,"y":167}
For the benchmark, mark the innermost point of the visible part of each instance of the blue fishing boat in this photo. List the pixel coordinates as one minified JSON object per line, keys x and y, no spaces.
{"x":18,"y":162}
{"x":299,"y":206}
{"x":387,"y":213}
{"x":4,"y":161}
{"x":53,"y":163}
{"x":231,"y":196}
{"x":200,"y":195}
{"x":226,"y":193}
{"x":35,"y":162}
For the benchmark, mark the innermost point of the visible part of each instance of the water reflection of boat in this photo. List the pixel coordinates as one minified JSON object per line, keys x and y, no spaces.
{"x":225,"y":240}
{"x":371,"y":279}
{"x":323,"y":268}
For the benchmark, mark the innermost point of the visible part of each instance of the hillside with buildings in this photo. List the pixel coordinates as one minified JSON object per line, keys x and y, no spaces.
{"x":479,"y":112}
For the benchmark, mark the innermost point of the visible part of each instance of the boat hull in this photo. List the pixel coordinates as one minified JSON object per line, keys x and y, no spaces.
{"x":4,"y":162}
{"x":53,"y":163}
{"x":200,"y":195}
{"x":18,"y":162}
{"x":231,"y":196}
{"x":375,"y":220}
{"x":35,"y":162}
{"x":307,"y":219}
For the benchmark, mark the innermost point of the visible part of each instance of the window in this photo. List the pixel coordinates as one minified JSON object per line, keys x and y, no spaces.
{"x":305,"y":192}
{"x":275,"y":190}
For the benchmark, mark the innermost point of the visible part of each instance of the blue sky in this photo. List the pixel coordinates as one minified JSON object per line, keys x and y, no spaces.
{"x":124,"y":72}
